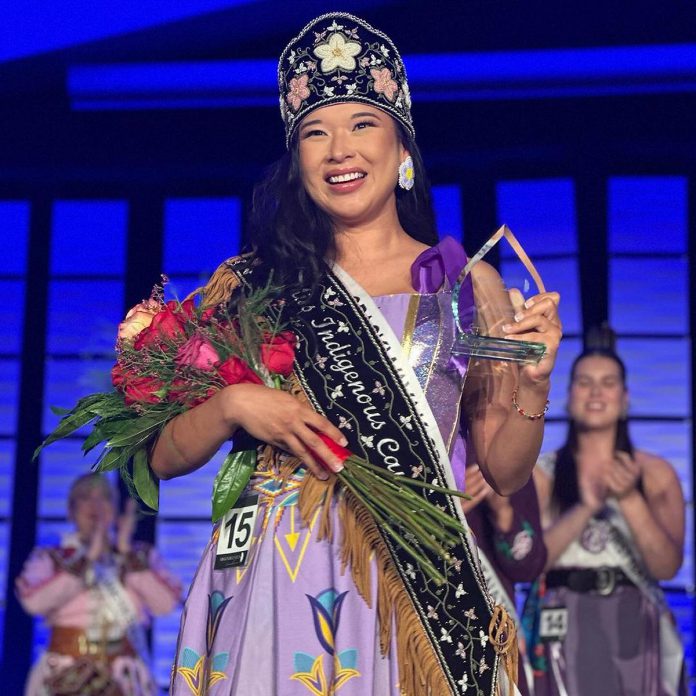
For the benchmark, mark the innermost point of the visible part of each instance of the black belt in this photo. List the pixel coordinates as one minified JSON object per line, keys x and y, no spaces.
{"x":602,"y":580}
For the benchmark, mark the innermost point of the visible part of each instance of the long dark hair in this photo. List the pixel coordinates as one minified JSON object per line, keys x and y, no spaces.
{"x":294,"y":238}
{"x":566,"y":492}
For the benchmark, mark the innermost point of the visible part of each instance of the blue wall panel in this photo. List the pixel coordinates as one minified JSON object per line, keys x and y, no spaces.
{"x":541,"y":214}
{"x":89,"y":238}
{"x":83,"y":316}
{"x":658,"y":376}
{"x":447,"y":202}
{"x":7,"y":461}
{"x":14,"y":231}
{"x":9,"y":396}
{"x":649,"y":296}
{"x":11,"y":316}
{"x":199,"y":234}
{"x":647,"y":214}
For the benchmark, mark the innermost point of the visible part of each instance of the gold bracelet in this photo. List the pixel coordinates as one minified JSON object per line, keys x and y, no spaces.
{"x":528,"y":416}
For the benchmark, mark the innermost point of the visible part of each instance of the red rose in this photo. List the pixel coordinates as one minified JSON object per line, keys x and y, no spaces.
{"x":236,"y":371}
{"x":278,"y":355}
{"x":167,"y":325}
{"x":142,"y":390}
{"x":118,"y":376}
{"x":136,"y":389}
{"x":197,"y":352}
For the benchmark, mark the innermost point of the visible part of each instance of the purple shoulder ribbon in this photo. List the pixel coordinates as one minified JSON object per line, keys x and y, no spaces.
{"x":445,"y":261}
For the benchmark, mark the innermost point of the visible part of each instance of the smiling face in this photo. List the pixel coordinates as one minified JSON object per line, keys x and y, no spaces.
{"x":349,"y":159}
{"x":598,"y":397}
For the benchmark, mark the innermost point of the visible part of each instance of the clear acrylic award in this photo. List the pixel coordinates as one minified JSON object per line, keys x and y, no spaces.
{"x":497,"y":299}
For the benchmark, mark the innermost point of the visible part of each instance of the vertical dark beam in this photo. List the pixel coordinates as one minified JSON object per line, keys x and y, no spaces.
{"x":480,"y":216}
{"x":591,"y":206}
{"x":144,"y":254}
{"x":19,"y":633}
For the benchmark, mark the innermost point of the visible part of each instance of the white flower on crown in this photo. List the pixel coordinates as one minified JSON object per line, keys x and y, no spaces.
{"x":350,"y":88}
{"x":337,"y":53}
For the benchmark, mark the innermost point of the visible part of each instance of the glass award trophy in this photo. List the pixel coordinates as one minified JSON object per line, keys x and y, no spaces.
{"x":497,"y":299}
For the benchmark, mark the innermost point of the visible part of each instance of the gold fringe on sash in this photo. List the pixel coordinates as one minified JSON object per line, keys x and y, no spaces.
{"x":503,"y":635}
{"x":420,"y":672}
{"x":219,"y":286}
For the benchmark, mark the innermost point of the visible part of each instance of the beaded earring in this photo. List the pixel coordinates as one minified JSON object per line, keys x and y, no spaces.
{"x":407,"y":176}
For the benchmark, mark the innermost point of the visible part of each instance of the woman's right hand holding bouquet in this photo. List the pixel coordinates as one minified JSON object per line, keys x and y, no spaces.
{"x":269,"y":415}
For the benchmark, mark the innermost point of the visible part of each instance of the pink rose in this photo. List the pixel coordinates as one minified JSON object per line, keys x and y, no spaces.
{"x":137,"y":319}
{"x":197,"y":352}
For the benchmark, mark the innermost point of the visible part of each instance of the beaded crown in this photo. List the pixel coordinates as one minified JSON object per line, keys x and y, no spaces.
{"x":338,"y":57}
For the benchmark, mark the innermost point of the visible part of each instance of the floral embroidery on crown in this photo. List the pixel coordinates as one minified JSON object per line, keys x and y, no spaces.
{"x":339,"y":57}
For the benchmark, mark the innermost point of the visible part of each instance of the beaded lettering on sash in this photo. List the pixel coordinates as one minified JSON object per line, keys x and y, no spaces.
{"x":346,"y":371}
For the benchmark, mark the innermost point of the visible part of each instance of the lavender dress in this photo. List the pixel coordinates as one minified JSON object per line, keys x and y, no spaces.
{"x":290,"y":622}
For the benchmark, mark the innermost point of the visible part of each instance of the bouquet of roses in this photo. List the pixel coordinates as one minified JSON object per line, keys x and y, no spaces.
{"x":173,"y":356}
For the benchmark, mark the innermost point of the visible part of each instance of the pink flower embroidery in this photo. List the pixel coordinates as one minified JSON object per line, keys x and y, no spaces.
{"x":384,"y":84}
{"x":298,"y":91}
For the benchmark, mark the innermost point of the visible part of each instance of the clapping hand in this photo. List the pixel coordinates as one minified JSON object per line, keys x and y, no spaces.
{"x":127,"y":523}
{"x":623,"y":477}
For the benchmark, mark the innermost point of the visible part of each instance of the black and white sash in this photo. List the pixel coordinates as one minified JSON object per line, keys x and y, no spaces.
{"x":350,"y":366}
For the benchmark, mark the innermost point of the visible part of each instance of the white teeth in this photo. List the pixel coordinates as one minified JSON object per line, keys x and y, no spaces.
{"x":342,"y":178}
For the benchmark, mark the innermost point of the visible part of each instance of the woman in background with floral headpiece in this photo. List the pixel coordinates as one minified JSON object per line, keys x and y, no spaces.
{"x":344,"y":225}
{"x":614,"y":520}
{"x":97,"y":593}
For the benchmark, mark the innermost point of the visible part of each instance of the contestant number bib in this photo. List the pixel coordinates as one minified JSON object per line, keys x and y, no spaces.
{"x":236,"y":530}
{"x":553,"y":623}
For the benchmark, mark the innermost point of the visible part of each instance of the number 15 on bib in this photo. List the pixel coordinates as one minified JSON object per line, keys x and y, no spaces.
{"x":236,"y":530}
